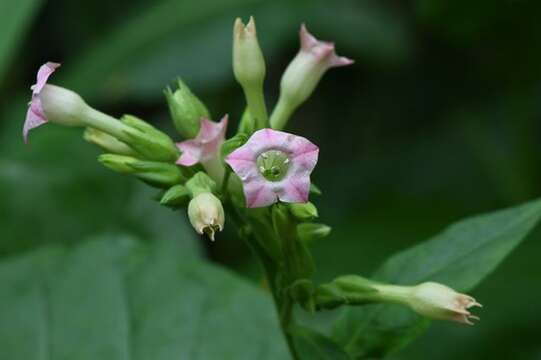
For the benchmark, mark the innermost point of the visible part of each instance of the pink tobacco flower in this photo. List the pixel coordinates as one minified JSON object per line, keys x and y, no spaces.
{"x":274,"y":165}
{"x":303,"y":74}
{"x":205,"y":146}
{"x":35,"y":115}
{"x":321,"y":51}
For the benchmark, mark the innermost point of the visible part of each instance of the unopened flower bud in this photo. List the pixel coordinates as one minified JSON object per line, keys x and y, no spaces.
{"x":303,"y":74}
{"x":107,"y":142}
{"x":148,"y":141}
{"x":304,"y":211}
{"x":249,"y":69}
{"x":206,"y":214}
{"x":438,"y":301}
{"x":186,"y":110}
{"x":309,"y":232}
{"x":158,"y":174}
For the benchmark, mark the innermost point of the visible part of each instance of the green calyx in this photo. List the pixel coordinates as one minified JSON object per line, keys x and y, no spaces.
{"x":273,"y":165}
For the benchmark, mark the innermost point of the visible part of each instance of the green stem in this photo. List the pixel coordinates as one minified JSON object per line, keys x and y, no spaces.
{"x":256,"y":104}
{"x":108,"y":124}
{"x":286,"y":320}
{"x":281,"y":114}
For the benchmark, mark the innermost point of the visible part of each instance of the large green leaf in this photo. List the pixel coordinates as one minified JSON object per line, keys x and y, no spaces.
{"x":311,"y":345}
{"x":54,"y":190}
{"x":119,"y":299}
{"x":15,"y":16}
{"x":461,"y":256}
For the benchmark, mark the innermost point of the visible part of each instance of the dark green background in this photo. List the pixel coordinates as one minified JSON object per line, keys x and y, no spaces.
{"x":438,"y":119}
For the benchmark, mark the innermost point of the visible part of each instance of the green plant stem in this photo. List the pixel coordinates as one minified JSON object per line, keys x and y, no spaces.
{"x":256,"y":104}
{"x":281,"y":114}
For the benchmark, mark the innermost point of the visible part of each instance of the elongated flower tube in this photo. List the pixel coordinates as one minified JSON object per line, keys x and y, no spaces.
{"x":62,"y":106}
{"x":205,"y":147}
{"x":302,"y":75}
{"x":274,"y":165}
{"x":52,"y":103}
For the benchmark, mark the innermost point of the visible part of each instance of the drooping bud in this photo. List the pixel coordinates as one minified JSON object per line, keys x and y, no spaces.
{"x":303,"y":74}
{"x":158,"y":174}
{"x":206,"y":214}
{"x":249,"y":69}
{"x":108,"y":142}
{"x":274,"y":165}
{"x":186,"y":110}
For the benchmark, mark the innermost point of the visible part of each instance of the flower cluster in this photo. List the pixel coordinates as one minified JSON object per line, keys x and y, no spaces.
{"x":260,"y":166}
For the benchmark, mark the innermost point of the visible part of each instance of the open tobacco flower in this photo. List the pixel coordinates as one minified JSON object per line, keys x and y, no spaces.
{"x":274,"y":165}
{"x":303,"y":74}
{"x":52,"y":103}
{"x":205,"y":146}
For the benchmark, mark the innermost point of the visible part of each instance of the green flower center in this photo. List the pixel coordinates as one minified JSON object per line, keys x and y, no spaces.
{"x":273,"y":165}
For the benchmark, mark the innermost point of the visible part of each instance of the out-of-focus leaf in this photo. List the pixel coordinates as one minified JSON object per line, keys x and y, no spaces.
{"x":15,"y":16}
{"x":119,"y":299}
{"x":54,"y":190}
{"x":461,"y":256}
{"x":311,"y":345}
{"x":193,"y":39}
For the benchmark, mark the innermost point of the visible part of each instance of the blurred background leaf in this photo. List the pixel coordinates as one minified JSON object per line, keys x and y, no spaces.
{"x":140,"y":301}
{"x":15,"y":18}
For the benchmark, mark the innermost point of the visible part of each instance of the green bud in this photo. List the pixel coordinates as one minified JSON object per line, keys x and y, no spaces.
{"x":186,"y":110}
{"x":107,"y":142}
{"x":200,"y":183}
{"x":304,"y":211}
{"x":157,"y":174}
{"x":232,"y":144}
{"x":148,"y":141}
{"x":248,"y":61}
{"x":309,"y":232}
{"x":176,"y":196}
{"x":249,"y":69}
{"x":206,"y":214}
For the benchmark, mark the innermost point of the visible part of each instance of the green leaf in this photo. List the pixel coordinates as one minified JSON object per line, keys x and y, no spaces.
{"x":54,"y":190}
{"x":15,"y":18}
{"x":460,"y":257}
{"x":119,"y":299}
{"x":311,"y":345}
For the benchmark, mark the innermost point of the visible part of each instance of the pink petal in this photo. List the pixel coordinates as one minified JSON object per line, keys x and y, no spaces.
{"x":295,"y":190}
{"x":259,"y":194}
{"x":34,"y":117}
{"x":205,"y":145}
{"x":321,"y":50}
{"x":43,"y":74}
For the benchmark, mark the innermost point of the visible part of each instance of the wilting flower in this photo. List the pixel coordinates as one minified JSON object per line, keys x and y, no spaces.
{"x":274,"y":165}
{"x":438,"y":301}
{"x":206,"y":214}
{"x":205,"y":146}
{"x":52,"y":103}
{"x":302,"y":75}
